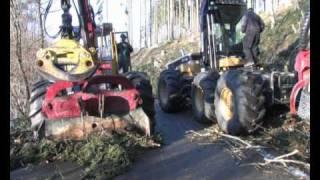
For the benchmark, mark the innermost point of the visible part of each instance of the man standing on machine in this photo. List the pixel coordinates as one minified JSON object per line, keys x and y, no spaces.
{"x":124,"y":49}
{"x":252,"y":26}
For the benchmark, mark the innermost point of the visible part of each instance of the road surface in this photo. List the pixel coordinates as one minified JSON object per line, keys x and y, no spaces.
{"x":179,"y":158}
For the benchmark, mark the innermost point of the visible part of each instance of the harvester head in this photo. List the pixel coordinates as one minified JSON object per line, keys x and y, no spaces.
{"x":79,"y":128}
{"x":65,"y":60}
{"x":72,"y":110}
{"x":87,"y":94}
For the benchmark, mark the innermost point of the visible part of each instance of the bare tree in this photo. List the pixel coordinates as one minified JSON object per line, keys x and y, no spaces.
{"x":15,"y":16}
{"x":168,"y":17}
{"x":145,"y":24}
{"x":150,"y":22}
{"x":25,"y":39}
{"x":171,"y":19}
{"x":197,"y":15}
{"x":40,"y":24}
{"x":180,"y":17}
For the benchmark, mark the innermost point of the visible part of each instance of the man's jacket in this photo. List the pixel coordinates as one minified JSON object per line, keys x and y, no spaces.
{"x":124,"y":50}
{"x":251,"y":22}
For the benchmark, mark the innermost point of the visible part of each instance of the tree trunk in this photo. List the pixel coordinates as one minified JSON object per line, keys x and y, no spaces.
{"x":171,"y":19}
{"x":186,"y":15}
{"x":197,"y":16}
{"x":273,"y":14}
{"x":150,"y":22}
{"x":179,"y":18}
{"x":15,"y":14}
{"x":140,"y":24}
{"x":145,"y":24}
{"x":40,"y":24}
{"x":156,"y":11}
{"x":191,"y":16}
{"x":168,"y":19}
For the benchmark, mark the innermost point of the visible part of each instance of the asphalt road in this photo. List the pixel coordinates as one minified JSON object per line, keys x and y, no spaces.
{"x":180,"y":158}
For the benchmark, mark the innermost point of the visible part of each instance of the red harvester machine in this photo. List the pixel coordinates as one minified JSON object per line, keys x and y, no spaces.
{"x":82,"y":91}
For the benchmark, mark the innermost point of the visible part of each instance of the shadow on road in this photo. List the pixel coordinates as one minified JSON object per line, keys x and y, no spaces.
{"x":174,"y":126}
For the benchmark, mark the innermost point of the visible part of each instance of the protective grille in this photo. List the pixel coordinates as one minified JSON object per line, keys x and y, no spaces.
{"x":304,"y":106}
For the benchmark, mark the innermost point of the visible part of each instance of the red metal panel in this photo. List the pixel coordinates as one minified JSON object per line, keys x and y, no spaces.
{"x":302,"y":66}
{"x":294,"y":93}
{"x":302,"y":63}
{"x":69,"y":106}
{"x":111,"y":79}
{"x":66,"y":107}
{"x":104,"y":68}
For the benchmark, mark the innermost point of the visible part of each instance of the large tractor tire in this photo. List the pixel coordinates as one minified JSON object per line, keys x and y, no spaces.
{"x":168,"y":91}
{"x":239,"y":102}
{"x":38,"y":93}
{"x":202,"y":96}
{"x":142,"y":83}
{"x":135,"y":74}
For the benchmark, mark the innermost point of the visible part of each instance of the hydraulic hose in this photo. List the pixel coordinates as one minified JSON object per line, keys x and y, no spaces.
{"x":47,"y":10}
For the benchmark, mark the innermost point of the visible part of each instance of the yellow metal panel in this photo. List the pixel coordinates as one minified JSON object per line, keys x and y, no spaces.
{"x":114,"y":54}
{"x":230,"y":61}
{"x":190,"y":68}
{"x":67,"y":53}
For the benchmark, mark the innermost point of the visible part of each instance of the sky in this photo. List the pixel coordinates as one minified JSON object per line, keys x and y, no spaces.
{"x":114,"y":13}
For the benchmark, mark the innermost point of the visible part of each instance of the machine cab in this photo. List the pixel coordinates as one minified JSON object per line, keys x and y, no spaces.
{"x":222,"y":40}
{"x":107,"y":58}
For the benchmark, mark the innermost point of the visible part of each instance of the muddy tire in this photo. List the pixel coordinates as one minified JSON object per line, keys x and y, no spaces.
{"x":239,"y":102}
{"x":142,"y":83}
{"x":202,"y":96}
{"x":38,"y":93}
{"x":168,"y":91}
{"x":134,"y":74}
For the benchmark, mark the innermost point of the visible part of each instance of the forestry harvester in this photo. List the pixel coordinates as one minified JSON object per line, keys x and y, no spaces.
{"x":81,"y":90}
{"x":215,"y":81}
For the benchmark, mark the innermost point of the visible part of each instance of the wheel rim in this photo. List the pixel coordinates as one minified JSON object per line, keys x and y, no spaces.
{"x":199,"y":100}
{"x":225,"y":103}
{"x":163,"y":92}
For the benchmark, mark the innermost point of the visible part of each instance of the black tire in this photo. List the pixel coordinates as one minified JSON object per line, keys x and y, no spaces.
{"x":202,"y":96}
{"x":38,"y":93}
{"x":246,"y":103}
{"x":135,"y":74}
{"x":142,"y":83}
{"x":168,"y":91}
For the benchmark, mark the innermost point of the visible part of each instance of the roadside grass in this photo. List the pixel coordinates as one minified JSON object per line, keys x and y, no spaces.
{"x":279,"y":43}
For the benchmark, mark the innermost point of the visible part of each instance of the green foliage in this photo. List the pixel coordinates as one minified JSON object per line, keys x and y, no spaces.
{"x":279,"y":44}
{"x":20,"y":124}
{"x":102,"y":156}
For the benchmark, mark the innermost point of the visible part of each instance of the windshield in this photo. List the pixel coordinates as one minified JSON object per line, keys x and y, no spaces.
{"x":105,"y":48}
{"x":227,"y":37}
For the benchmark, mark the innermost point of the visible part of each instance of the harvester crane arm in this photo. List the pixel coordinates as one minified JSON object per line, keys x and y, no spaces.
{"x":87,"y":23}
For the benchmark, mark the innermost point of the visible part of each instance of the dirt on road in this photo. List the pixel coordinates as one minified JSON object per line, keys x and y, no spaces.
{"x":181,"y":158}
